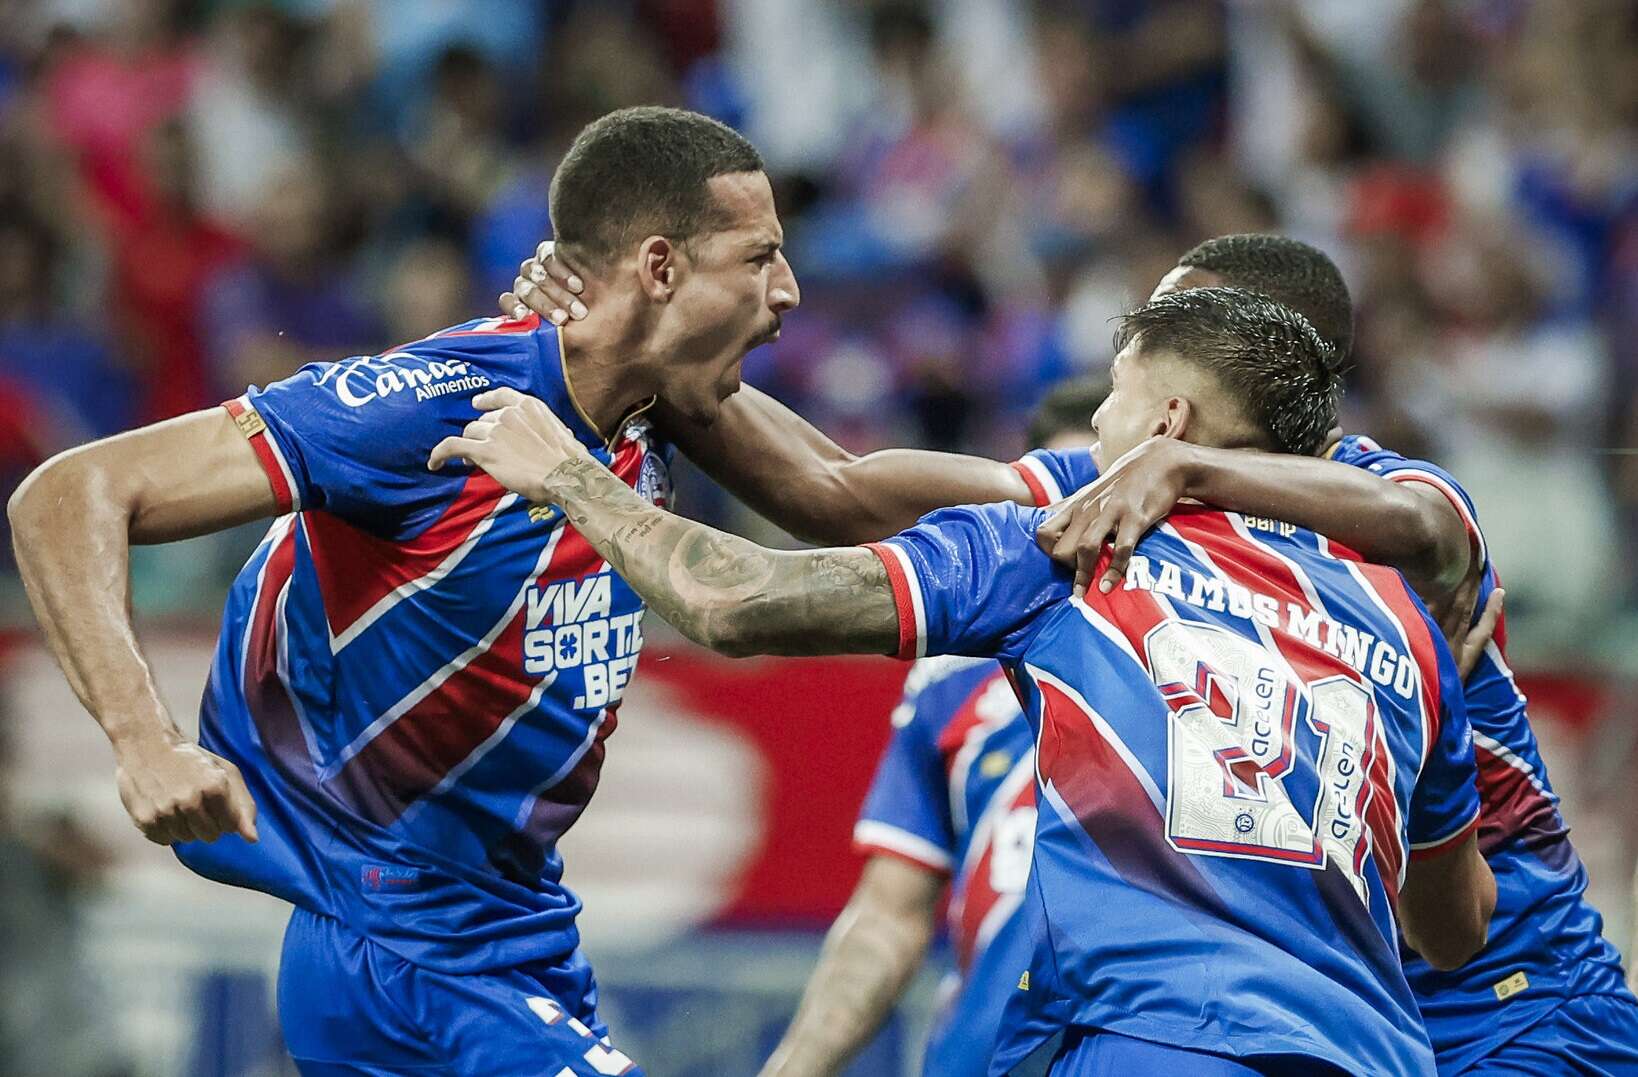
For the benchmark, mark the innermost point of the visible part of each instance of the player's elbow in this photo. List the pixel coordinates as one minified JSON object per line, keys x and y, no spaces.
{"x":1432,"y":545}
{"x":35,"y":506}
{"x":1448,"y":950}
{"x":728,"y":632}
{"x":72,"y":489}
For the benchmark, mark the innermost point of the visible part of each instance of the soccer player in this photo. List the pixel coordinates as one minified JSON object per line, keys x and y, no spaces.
{"x":1547,"y":994}
{"x":1239,"y":747}
{"x":952,"y":807}
{"x":418,"y":672}
{"x":1548,"y":985}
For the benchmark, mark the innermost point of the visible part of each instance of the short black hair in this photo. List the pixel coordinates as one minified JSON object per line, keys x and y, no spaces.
{"x":641,"y":172}
{"x":1266,"y":355}
{"x":1288,"y":271}
{"x":1067,"y":406}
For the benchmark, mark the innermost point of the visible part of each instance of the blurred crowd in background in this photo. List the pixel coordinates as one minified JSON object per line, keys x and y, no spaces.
{"x":200,"y":194}
{"x":196,"y":195}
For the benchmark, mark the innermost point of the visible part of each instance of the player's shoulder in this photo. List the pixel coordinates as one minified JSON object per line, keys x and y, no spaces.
{"x":1360,"y":451}
{"x":517,"y":352}
{"x":432,"y":378}
{"x":1054,"y":474}
{"x":1363,"y":452}
{"x":937,"y":686}
{"x":1004,"y":522}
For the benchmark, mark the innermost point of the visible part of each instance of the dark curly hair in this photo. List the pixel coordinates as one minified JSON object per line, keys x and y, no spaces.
{"x":1286,"y":270}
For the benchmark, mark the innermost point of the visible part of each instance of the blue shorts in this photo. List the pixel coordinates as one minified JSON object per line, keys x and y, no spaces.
{"x":1095,"y":1053}
{"x":348,"y":1007}
{"x":1592,"y":1035}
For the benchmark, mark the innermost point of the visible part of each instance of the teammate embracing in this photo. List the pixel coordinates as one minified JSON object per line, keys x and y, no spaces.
{"x":1548,"y":986}
{"x":1239,"y":747}
{"x":1546,"y":994}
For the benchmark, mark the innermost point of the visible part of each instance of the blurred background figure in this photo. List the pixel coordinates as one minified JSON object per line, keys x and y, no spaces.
{"x":197,"y":194}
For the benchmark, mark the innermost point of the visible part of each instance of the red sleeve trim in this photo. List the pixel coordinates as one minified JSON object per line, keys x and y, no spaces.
{"x":1036,"y":490}
{"x":1443,"y":845}
{"x":254,"y":428}
{"x":902,"y":598}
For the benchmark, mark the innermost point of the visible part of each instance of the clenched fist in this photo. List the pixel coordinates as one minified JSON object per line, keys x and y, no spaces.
{"x":176,"y":791}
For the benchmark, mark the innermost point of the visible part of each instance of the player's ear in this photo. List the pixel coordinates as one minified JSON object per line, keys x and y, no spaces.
{"x":1175,"y":418}
{"x":658,"y":268}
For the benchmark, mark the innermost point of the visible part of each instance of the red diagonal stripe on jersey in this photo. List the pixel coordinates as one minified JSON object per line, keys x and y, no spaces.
{"x":977,"y":896}
{"x":413,"y":754}
{"x":1111,"y":805}
{"x":265,"y":695}
{"x":953,"y":736}
{"x":1239,"y":560}
{"x":1511,"y":804}
{"x":356,"y":569}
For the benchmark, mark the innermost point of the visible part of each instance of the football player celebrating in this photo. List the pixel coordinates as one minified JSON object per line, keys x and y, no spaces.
{"x":1254,"y":767}
{"x":1548,"y":985}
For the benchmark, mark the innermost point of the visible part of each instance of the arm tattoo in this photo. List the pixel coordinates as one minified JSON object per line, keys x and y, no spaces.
{"x":724,"y":591}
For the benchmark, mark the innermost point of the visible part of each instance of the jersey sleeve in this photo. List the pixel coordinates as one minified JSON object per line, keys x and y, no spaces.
{"x":1445,"y":803}
{"x":352,"y":438}
{"x":1396,"y":468}
{"x":970,"y":581}
{"x":1054,"y":474}
{"x":907,"y":811}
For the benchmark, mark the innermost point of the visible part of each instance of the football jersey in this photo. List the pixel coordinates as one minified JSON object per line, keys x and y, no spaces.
{"x":1546,"y":941}
{"x":955,"y":793}
{"x":1237,"y":752}
{"x":418,"y":671}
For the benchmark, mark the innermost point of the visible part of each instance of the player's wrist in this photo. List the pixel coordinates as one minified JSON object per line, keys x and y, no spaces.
{"x":1186,"y":463}
{"x":134,"y":739}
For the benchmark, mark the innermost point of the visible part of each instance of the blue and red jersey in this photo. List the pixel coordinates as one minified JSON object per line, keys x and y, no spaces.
{"x":955,"y":794}
{"x":1238,"y":751}
{"x":418,"y":671}
{"x":1546,"y":940}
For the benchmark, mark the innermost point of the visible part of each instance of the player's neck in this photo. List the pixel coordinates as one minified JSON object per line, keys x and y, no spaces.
{"x":604,"y":385}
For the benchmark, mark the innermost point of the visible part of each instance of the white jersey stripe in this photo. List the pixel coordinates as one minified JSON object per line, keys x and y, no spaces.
{"x":410,"y":587}
{"x":917,"y":604}
{"x":1043,"y":475}
{"x":874,"y":834}
{"x":1105,"y":730}
{"x":449,"y":669}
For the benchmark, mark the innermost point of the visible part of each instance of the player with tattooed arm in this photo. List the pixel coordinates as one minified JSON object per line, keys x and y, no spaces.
{"x":1254,"y":767}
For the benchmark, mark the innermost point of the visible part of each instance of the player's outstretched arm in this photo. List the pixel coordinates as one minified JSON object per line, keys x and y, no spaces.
{"x":720,"y":590}
{"x":1406,"y":525}
{"x":870,"y":955}
{"x":73,"y":522}
{"x":794,"y":474}
{"x":1446,"y":902}
{"x":782,"y":465}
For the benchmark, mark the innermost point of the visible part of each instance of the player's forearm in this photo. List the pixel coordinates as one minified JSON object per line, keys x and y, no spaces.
{"x":869,"y":957}
{"x":70,"y":528}
{"x":1385,"y":522}
{"x":723,"y":591}
{"x":1446,"y":904}
{"x":791,"y":472}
